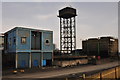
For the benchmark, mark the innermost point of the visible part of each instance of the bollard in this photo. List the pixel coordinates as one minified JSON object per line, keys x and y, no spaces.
{"x":115,"y":74}
{"x":14,"y":71}
{"x":22,"y":71}
{"x":66,"y":78}
{"x":83,"y":76}
{"x":100,"y":76}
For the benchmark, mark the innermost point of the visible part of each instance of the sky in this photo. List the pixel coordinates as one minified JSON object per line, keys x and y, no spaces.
{"x":59,"y":0}
{"x":94,"y":19}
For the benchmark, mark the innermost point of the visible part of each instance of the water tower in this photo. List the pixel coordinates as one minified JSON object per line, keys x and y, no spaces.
{"x":67,"y":29}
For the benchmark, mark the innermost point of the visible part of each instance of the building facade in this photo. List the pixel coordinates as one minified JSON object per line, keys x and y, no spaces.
{"x":1,"y":41}
{"x":108,"y":46}
{"x":29,"y":47}
{"x":78,"y":52}
{"x":90,"y":46}
{"x":103,"y":46}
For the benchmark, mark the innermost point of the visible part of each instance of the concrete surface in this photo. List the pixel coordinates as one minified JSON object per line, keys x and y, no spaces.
{"x":65,"y":71}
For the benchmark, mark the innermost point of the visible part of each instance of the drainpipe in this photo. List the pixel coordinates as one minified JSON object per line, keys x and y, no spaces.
{"x":16,"y":61}
{"x":30,"y":61}
{"x":41,"y":58}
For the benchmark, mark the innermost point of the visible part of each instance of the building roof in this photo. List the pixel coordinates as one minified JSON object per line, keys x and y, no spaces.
{"x":28,"y":29}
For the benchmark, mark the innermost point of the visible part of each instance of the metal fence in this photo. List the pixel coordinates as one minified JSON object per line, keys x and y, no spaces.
{"x":110,"y":74}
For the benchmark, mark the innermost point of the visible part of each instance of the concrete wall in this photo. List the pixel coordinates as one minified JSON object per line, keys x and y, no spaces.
{"x":70,"y":63}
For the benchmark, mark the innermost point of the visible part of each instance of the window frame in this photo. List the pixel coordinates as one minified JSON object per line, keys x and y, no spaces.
{"x":23,"y":40}
{"x":14,"y":40}
{"x":48,"y":41}
{"x":10,"y":41}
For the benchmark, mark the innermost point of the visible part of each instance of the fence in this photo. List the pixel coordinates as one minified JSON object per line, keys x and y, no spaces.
{"x":110,"y":74}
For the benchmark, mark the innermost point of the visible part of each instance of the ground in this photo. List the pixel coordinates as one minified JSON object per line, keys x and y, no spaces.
{"x":60,"y":72}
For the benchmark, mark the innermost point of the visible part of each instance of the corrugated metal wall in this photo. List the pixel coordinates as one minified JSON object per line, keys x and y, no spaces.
{"x":49,"y":46}
{"x":47,"y":55}
{"x":11,"y":44}
{"x":23,"y":33}
{"x":36,"y":59}
{"x":23,"y":60}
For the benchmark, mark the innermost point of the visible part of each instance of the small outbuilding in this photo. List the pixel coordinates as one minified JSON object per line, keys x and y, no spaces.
{"x":28,"y":47}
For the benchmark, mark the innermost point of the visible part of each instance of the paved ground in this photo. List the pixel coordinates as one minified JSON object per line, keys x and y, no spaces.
{"x":63,"y":71}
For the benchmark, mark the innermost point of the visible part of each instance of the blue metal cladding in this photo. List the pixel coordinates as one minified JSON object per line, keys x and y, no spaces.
{"x":47,"y":46}
{"x":47,"y":55}
{"x":19,"y":32}
{"x":15,"y":45}
{"x":23,"y":63}
{"x":44,"y":62}
{"x":11,"y":44}
{"x":23,"y":60}
{"x":36,"y":58}
{"x":35,"y":63}
{"x":23,"y":33}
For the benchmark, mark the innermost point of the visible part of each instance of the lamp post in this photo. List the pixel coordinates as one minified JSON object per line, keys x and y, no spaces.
{"x":98,"y":47}
{"x":98,"y":55}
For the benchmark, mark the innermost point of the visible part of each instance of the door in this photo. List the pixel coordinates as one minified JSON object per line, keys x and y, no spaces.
{"x":23,"y":63}
{"x":35,"y":63}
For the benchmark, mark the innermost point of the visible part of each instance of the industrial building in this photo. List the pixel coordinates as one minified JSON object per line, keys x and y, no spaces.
{"x":78,"y":52}
{"x":1,"y":41}
{"x":25,"y":47}
{"x":103,"y":46}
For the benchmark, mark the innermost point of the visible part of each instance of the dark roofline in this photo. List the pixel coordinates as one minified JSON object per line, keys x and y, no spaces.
{"x":10,"y":30}
{"x":100,"y":38}
{"x":66,"y":8}
{"x":107,"y":37}
{"x":93,"y":39}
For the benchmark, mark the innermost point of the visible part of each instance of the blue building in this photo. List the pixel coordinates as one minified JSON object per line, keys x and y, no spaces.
{"x":29,"y":47}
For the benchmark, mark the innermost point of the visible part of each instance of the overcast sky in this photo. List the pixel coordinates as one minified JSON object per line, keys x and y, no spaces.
{"x":95,"y":19}
{"x":59,"y":0}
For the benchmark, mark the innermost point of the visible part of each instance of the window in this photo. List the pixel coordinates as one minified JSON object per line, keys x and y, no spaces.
{"x":23,"y":40}
{"x":14,"y":40}
{"x":10,"y":42}
{"x":47,"y":42}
